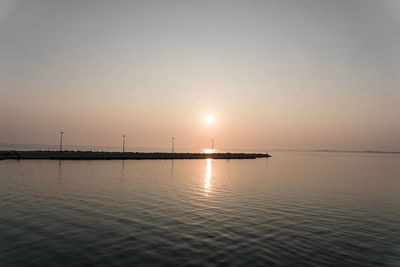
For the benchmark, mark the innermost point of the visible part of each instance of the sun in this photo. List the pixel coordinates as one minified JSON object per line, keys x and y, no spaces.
{"x":209,"y":119}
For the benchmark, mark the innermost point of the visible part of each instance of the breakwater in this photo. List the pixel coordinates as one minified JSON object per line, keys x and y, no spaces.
{"x":90,"y":155}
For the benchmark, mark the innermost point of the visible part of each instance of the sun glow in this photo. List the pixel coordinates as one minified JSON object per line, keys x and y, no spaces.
{"x":208,"y":150}
{"x":209,"y":118}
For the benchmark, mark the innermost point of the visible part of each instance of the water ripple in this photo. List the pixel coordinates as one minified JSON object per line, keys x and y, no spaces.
{"x":203,"y":212}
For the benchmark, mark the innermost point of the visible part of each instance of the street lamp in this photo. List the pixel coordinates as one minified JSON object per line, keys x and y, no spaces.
{"x":123,"y":143}
{"x":61,"y":139}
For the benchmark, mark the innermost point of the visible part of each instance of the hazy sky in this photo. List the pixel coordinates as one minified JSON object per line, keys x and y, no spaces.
{"x":274,"y":74}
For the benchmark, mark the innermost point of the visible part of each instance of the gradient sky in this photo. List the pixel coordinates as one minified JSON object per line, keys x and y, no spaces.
{"x":296,"y":74}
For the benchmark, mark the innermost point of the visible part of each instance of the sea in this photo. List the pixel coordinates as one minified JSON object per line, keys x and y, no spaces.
{"x":293,"y":209}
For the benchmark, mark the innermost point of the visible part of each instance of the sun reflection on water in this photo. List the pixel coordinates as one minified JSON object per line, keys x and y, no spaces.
{"x":207,"y":180}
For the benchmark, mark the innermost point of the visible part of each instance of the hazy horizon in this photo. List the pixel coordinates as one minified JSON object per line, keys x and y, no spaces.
{"x":267,"y":74}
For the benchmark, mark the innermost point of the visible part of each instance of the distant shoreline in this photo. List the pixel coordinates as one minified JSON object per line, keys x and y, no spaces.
{"x":340,"y":151}
{"x":89,"y":155}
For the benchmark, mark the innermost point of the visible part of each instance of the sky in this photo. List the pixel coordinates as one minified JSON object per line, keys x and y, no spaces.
{"x":301,"y":74}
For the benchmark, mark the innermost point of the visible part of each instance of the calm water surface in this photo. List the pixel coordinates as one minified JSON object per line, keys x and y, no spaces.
{"x":314,"y":209}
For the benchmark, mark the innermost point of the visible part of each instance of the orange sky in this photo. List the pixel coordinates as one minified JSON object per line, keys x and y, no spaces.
{"x":299,"y":74}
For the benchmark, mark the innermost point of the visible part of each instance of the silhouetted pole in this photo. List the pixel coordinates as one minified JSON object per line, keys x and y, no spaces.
{"x":123,"y":143}
{"x":212,"y":146}
{"x":173,"y":145}
{"x":61,"y":136}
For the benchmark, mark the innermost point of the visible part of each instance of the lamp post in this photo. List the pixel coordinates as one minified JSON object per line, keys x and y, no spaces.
{"x":212,"y":146}
{"x":61,"y":139}
{"x":123,"y":143}
{"x":173,"y":145}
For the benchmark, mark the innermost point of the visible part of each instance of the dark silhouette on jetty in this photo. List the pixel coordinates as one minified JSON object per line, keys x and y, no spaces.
{"x":91,"y":155}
